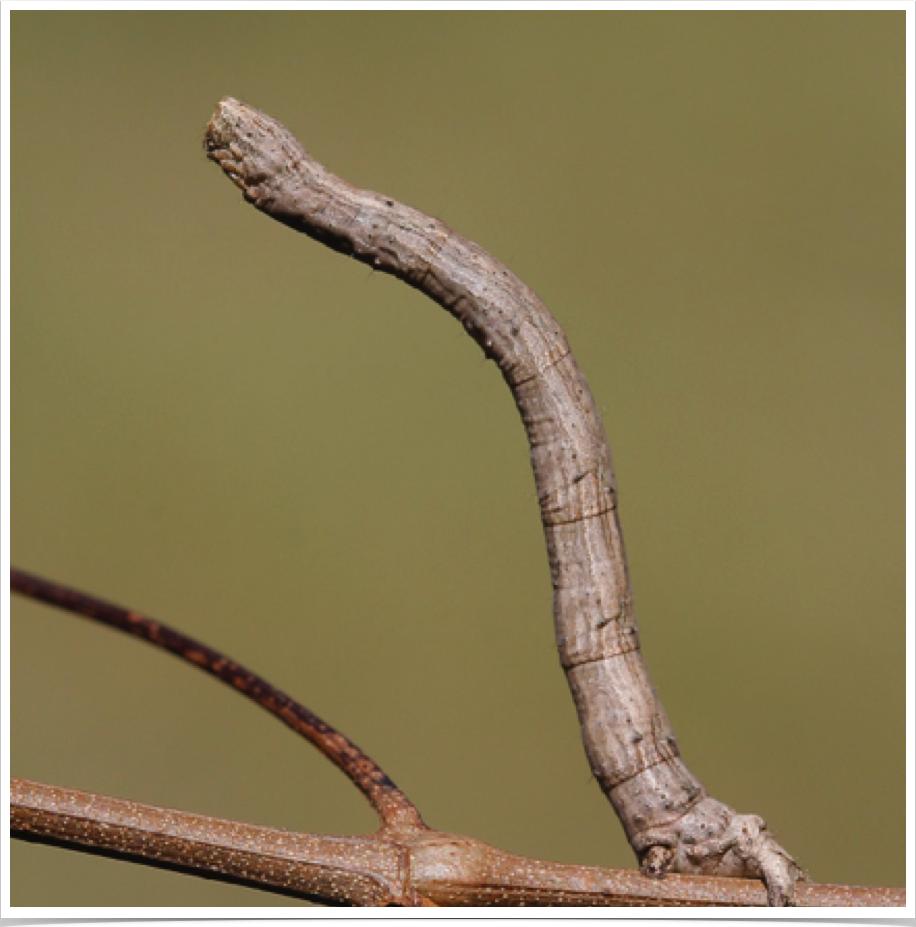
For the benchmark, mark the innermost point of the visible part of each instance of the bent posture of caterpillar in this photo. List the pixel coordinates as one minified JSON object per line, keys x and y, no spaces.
{"x":672,"y":824}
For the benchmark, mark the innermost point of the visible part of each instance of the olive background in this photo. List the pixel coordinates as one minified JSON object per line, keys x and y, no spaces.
{"x":312,"y":468}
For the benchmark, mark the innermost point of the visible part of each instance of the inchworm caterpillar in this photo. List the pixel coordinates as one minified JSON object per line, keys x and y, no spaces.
{"x":670,"y":820}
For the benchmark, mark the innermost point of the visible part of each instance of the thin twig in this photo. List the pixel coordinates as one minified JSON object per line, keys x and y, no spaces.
{"x":391,"y":804}
{"x":407,"y":868}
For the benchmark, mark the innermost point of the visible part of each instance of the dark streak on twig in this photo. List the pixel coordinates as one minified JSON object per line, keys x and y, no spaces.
{"x":391,"y":804}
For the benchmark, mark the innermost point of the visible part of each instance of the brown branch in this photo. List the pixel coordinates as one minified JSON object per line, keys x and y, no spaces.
{"x":329,"y":870}
{"x":391,"y":804}
{"x":409,"y":868}
{"x":404,"y":864}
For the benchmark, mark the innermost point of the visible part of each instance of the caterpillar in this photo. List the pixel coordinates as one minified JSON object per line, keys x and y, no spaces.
{"x":671,"y":822}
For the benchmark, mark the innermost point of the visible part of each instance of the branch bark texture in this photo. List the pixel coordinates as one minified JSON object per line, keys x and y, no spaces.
{"x":408,"y":868}
{"x":671,"y":822}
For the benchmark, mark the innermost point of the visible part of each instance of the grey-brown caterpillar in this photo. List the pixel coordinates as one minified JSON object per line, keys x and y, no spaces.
{"x":671,"y":822}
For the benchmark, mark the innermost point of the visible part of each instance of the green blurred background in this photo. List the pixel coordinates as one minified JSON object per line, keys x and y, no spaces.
{"x":311,"y":467}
